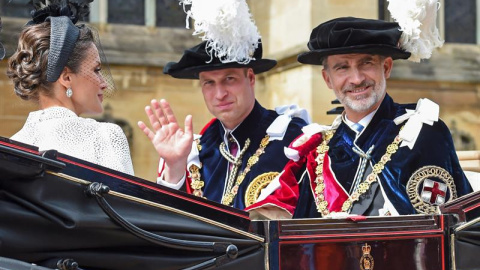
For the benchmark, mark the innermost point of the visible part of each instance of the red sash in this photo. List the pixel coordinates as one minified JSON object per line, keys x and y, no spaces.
{"x":333,"y":193}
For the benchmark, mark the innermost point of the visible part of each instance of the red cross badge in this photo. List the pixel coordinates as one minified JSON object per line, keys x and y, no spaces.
{"x":434,"y":192}
{"x":427,"y":188}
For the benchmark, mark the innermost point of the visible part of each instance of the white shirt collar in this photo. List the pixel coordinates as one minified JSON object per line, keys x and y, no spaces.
{"x":364,"y":121}
{"x":228,"y":131}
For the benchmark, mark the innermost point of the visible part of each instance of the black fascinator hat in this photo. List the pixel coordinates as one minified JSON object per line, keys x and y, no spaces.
{"x":348,"y":35}
{"x":196,"y":60}
{"x":62,"y":14}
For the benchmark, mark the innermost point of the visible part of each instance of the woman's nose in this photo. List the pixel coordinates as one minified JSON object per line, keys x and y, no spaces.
{"x":103,"y":82}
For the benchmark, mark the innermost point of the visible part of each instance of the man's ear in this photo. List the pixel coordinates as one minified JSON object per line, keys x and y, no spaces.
{"x":387,"y":67}
{"x":65,"y":78}
{"x":251,"y":77}
{"x":326,"y":78}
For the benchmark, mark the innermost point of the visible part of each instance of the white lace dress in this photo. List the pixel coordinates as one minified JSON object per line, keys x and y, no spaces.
{"x":61,"y":129}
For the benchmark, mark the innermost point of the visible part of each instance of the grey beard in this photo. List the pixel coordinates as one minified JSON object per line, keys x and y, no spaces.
{"x":362,"y":103}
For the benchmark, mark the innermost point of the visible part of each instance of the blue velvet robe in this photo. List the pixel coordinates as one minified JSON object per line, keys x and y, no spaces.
{"x":215,"y":166}
{"x":434,"y":146}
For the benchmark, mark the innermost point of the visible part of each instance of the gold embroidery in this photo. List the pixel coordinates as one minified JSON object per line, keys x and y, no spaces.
{"x":197,"y":184}
{"x":231,"y":193}
{"x":418,"y":178}
{"x":256,"y":186}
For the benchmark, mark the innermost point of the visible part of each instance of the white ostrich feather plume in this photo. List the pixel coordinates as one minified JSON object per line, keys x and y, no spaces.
{"x":417,"y":20}
{"x":227,"y":26}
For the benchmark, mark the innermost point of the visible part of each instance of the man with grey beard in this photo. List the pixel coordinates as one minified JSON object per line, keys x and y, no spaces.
{"x":378,"y":158}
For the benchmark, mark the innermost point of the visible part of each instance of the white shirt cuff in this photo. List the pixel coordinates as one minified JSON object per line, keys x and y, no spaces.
{"x":176,"y":186}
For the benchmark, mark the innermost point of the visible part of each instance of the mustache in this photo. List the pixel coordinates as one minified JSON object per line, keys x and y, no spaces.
{"x":352,"y":87}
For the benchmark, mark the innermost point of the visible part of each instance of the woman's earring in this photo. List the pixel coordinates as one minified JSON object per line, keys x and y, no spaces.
{"x":69,"y":92}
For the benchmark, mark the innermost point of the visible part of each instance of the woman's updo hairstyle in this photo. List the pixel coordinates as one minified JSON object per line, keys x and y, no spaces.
{"x":27,"y":67}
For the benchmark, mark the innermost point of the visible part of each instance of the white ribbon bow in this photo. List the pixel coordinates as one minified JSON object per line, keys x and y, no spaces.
{"x":314,"y":128}
{"x":308,"y":132}
{"x":426,"y":112}
{"x":277,"y":129}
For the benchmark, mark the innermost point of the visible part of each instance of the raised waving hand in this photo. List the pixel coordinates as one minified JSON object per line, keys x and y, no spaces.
{"x":171,"y":142}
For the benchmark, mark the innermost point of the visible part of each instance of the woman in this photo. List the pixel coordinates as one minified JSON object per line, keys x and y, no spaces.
{"x":57,"y":65}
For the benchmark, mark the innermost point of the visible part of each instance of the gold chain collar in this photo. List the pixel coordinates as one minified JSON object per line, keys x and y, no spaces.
{"x":322,"y":205}
{"x":197,"y":184}
{"x":236,"y":163}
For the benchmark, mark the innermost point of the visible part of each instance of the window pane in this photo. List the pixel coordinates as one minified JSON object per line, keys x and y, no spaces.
{"x":17,"y":8}
{"x":126,"y":11}
{"x":170,"y":13}
{"x":460,"y":21}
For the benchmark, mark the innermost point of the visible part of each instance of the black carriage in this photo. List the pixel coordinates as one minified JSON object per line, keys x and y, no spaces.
{"x":59,"y":212}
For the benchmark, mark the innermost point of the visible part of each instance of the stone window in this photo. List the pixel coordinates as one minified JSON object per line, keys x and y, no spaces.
{"x":170,"y":14}
{"x":17,"y":8}
{"x":126,"y":11}
{"x":159,"y":13}
{"x":457,"y":22}
{"x":460,"y":21}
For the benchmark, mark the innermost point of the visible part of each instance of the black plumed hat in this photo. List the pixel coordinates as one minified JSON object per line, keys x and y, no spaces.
{"x":196,"y":60}
{"x":348,"y":35}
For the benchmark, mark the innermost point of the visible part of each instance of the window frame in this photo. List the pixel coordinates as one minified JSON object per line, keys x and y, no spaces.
{"x":384,"y":14}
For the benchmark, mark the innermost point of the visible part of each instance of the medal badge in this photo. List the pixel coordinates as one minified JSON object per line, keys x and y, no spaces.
{"x":429,"y":187}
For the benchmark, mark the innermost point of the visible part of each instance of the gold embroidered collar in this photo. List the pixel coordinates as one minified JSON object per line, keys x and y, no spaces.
{"x":321,"y":203}
{"x":232,"y":189}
